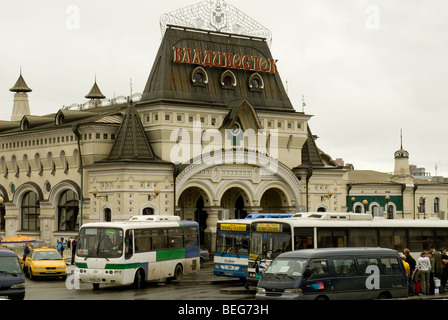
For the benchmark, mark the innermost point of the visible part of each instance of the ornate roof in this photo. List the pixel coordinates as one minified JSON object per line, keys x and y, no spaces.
{"x":215,"y":15}
{"x":173,"y":82}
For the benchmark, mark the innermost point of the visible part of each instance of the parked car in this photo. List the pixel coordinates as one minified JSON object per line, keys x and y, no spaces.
{"x":204,"y":255}
{"x":12,"y":278}
{"x":45,"y":262}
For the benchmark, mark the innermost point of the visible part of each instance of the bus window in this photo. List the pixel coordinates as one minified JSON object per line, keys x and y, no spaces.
{"x":420,"y":239}
{"x":175,"y":238}
{"x":303,"y":238}
{"x":363,"y":237}
{"x":142,"y":240}
{"x":393,"y":238}
{"x":159,"y":239}
{"x":331,"y":238}
{"x":191,"y":237}
{"x":441,"y":238}
{"x":128,"y":245}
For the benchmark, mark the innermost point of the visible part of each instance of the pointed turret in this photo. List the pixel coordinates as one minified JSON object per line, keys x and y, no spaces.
{"x":95,"y":95}
{"x":21,"y":105}
{"x":401,"y":160}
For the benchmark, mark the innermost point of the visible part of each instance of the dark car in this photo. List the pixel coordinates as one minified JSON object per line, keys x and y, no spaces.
{"x":12,"y":278}
{"x":204,"y":255}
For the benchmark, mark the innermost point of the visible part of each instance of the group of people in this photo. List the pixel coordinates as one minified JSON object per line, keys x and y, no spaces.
{"x":429,"y":269}
{"x":70,"y":244}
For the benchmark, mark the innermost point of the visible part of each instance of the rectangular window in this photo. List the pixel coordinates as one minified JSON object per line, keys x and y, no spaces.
{"x":159,"y":239}
{"x":142,"y":240}
{"x":390,"y":266}
{"x":345,"y":267}
{"x":328,"y":238}
{"x":363,"y":263}
{"x":420,"y":239}
{"x":191,"y":237}
{"x":176,"y":239}
{"x":363,"y":237}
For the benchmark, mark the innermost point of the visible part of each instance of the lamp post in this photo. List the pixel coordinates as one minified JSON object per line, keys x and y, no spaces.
{"x":424,"y":207}
{"x":75,"y":129}
{"x":387,"y":207}
{"x":353,"y":201}
{"x":365,"y":202}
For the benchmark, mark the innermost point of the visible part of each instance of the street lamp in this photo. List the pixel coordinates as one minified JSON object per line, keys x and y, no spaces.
{"x":387,"y":206}
{"x":365,"y":202}
{"x":154,"y":194}
{"x":95,"y":193}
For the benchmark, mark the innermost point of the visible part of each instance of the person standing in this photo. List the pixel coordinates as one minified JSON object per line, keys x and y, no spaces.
{"x":61,"y":247}
{"x":437,"y":262}
{"x":74,"y":243}
{"x":423,"y":267}
{"x":26,"y":252}
{"x":411,"y":263}
{"x":444,"y":277}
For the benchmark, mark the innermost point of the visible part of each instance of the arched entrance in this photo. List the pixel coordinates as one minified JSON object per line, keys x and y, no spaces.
{"x":235,"y":201}
{"x":193,"y":202}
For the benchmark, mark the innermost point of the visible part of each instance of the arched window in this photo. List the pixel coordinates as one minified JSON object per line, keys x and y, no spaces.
{"x":199,"y":77}
{"x":436,"y":205}
{"x":30,"y":211}
{"x":228,"y":80}
{"x":2,"y":215}
{"x":68,"y":210}
{"x":256,"y":82}
{"x":107,"y":215}
{"x":148,"y":211}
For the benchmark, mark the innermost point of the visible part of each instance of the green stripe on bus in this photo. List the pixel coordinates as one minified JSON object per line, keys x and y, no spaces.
{"x":170,"y":255}
{"x":81,"y":265}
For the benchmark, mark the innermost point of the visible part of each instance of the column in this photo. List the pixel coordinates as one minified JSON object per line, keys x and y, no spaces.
{"x":210,"y":230}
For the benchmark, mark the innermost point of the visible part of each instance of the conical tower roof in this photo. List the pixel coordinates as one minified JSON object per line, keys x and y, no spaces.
{"x":20,"y":85}
{"x":131,"y":143}
{"x":95,"y":93}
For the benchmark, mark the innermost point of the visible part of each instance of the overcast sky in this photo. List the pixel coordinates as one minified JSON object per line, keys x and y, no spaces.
{"x":366,"y":68}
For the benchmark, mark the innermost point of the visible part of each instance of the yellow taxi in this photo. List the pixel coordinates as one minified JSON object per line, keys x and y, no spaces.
{"x":45,"y":262}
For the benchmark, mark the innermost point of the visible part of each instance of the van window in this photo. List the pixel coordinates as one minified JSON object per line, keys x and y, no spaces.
{"x":10,"y":264}
{"x":318,"y":267}
{"x":345,"y":267}
{"x":389,"y":266}
{"x":363,"y":263}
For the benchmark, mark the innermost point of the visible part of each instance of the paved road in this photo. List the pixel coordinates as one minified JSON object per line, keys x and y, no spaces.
{"x":200,"y":286}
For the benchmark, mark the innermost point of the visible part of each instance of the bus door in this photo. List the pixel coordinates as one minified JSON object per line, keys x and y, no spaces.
{"x":303,"y":238}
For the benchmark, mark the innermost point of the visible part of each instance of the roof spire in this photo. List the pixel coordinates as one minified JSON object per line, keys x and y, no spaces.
{"x":20,"y":85}
{"x":95,"y":92}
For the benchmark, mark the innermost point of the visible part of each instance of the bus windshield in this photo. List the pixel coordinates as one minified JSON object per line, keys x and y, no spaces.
{"x":232,"y":242}
{"x":100,"y":242}
{"x":269,"y":244}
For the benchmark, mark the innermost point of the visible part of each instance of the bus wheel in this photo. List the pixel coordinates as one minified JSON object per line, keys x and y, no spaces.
{"x":96,"y":286}
{"x":139,"y":279}
{"x":178,"y":272}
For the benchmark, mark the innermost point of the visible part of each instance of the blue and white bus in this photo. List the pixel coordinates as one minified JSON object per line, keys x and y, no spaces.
{"x":232,"y":244}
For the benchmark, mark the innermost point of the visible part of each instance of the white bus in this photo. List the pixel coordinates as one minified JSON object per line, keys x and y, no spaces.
{"x":142,"y":249}
{"x":271,"y":237}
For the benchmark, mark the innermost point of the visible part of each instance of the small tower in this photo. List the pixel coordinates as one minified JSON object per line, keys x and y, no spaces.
{"x":95,"y":96}
{"x":401,"y":160}
{"x":21,"y":106}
